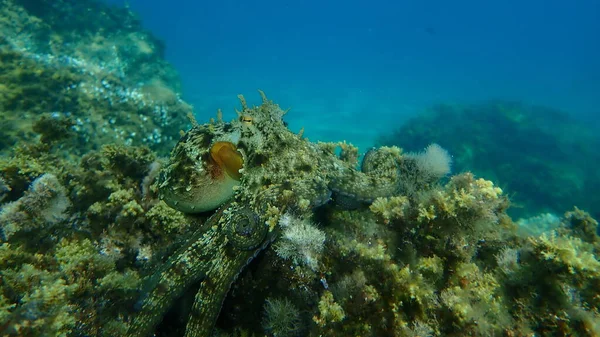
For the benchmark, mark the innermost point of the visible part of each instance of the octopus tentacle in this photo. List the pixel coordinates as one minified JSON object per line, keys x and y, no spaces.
{"x":192,"y":263}
{"x":379,"y":176}
{"x":244,"y":230}
{"x":215,"y":258}
{"x":226,"y":267}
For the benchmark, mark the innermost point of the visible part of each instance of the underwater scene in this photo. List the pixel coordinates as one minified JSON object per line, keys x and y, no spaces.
{"x":246,"y":169}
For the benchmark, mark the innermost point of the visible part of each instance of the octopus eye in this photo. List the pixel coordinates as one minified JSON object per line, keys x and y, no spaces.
{"x":226,"y":155}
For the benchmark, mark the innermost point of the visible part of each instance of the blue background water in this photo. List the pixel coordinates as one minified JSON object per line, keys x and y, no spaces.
{"x":353,"y":69}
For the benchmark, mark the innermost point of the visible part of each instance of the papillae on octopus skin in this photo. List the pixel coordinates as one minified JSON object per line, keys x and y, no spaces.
{"x":378,"y":177}
{"x":205,"y":175}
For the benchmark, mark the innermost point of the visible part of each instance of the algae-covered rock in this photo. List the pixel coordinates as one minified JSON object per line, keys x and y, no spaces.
{"x":86,"y":71}
{"x":543,"y":158}
{"x":87,"y":102}
{"x":391,"y":247}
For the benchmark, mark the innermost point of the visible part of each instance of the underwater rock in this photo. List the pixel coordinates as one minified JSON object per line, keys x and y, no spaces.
{"x":86,"y":70}
{"x":79,"y":81}
{"x":539,"y":155}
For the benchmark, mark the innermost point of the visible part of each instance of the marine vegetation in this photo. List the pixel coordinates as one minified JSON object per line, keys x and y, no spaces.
{"x":398,"y":253}
{"x":84,"y":74}
{"x":246,"y":228}
{"x":542,"y":157}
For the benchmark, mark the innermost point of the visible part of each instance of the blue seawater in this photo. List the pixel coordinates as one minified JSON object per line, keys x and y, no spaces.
{"x":354,"y":69}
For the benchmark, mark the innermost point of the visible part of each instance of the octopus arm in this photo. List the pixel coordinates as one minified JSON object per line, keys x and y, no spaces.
{"x":214,"y":258}
{"x":213,"y":290}
{"x":192,"y":263}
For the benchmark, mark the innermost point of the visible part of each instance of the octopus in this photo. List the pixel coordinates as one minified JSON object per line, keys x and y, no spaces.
{"x":248,"y":173}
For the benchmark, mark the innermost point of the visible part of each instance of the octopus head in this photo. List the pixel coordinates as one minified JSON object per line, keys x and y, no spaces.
{"x":206,"y":164}
{"x":202,"y":172}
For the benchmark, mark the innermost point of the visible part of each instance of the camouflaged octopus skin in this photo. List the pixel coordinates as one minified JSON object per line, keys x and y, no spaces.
{"x":281,"y":171}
